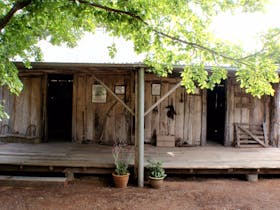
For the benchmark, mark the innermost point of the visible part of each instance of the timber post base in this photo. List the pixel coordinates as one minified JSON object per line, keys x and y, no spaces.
{"x":69,"y":174}
{"x":252,"y":177}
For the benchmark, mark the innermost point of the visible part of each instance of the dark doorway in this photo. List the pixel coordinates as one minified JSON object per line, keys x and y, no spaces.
{"x":216,"y":109}
{"x":59,"y":107}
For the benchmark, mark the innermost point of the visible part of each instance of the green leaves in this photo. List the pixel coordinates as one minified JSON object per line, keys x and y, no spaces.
{"x":167,"y":32}
{"x":112,"y":50}
{"x":257,"y":79}
{"x":155,"y":169}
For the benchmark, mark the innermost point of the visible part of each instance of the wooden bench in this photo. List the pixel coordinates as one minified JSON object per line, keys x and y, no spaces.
{"x":30,"y":135}
{"x":250,"y":135}
{"x":165,"y":141}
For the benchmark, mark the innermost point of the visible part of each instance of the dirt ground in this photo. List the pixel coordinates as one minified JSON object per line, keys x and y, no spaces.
{"x":177,"y":193}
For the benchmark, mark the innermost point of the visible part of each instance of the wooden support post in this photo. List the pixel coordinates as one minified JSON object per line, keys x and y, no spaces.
{"x":229,"y":127}
{"x":140,"y":126}
{"x":136,"y":161}
{"x":69,"y":174}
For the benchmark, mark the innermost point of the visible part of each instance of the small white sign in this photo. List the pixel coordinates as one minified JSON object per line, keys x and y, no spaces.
{"x":156,"y":89}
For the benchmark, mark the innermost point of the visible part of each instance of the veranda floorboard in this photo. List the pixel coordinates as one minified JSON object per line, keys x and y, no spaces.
{"x":94,"y":155}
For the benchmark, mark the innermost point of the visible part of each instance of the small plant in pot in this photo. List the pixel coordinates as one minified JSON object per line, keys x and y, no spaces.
{"x":156,"y":174}
{"x":121,"y":174}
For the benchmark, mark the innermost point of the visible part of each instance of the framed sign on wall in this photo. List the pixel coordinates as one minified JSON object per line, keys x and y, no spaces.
{"x":156,"y":89}
{"x":120,"y":89}
{"x":99,"y":94}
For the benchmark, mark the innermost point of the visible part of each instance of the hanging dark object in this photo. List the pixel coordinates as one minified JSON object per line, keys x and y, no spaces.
{"x":171,"y":111}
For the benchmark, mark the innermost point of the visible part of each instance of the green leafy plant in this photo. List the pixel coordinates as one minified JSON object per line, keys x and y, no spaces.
{"x":122,"y":156}
{"x":155,"y":169}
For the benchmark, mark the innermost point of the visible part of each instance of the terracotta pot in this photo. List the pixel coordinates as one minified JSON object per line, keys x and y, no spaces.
{"x":156,"y":182}
{"x":120,"y":180}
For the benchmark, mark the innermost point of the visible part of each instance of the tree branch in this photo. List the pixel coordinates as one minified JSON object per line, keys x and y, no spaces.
{"x":192,"y":44}
{"x":18,"y":5}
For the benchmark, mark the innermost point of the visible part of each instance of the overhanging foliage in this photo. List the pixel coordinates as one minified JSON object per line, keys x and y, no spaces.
{"x":168,"y":32}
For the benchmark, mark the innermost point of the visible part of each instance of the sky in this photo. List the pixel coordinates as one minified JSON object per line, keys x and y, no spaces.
{"x":239,"y":29}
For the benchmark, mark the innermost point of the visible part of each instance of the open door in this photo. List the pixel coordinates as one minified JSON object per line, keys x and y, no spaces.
{"x":59,"y":107}
{"x":216,"y":110}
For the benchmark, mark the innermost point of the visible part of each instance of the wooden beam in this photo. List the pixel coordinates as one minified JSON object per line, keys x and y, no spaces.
{"x":163,"y":98}
{"x":115,"y":96}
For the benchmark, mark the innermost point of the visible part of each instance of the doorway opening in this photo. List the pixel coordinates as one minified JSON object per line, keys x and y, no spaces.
{"x":59,"y":107}
{"x":216,"y":110}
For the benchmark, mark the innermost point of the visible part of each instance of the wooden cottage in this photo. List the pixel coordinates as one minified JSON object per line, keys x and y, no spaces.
{"x":96,"y":103}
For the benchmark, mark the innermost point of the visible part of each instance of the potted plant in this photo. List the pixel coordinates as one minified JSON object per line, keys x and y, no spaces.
{"x":121,"y":174}
{"x":156,"y":173}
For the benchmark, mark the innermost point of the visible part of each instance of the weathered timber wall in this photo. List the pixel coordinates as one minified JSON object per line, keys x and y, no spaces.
{"x":187,"y":123}
{"x":111,"y":122}
{"x":106,"y":123}
{"x":275,"y":117}
{"x":243,"y":108}
{"x":24,"y":109}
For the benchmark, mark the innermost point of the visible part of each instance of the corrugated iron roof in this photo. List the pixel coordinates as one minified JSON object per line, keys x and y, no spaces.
{"x":63,"y":65}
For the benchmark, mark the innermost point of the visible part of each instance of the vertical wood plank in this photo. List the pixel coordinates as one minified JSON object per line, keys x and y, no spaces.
{"x":267,"y":114}
{"x":81,"y":112}
{"x":179,"y":120}
{"x":148,"y":117}
{"x":22,"y":111}
{"x":275,"y":117}
{"x":79,"y":117}
{"x":44,"y":116}
{"x":245,"y":111}
{"x":237,"y":109}
{"x":132,"y":105}
{"x":187,"y":133}
{"x":172,"y":101}
{"x":196,"y":121}
{"x":258,"y":111}
{"x":119,"y":120}
{"x":5,"y":103}
{"x":204,"y":118}
{"x":230,"y":104}
{"x":191,"y":119}
{"x":2,"y":102}
{"x":8,"y":103}
{"x":163,"y":111}
{"x":89,"y":108}
{"x":110,"y":136}
{"x":74,"y":108}
{"x":35,"y":103}
{"x":155,"y":116}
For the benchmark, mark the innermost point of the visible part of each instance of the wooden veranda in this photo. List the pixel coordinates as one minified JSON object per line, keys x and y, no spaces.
{"x":97,"y":159}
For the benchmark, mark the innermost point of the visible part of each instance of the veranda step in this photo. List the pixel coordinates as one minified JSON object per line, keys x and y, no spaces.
{"x":33,"y":179}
